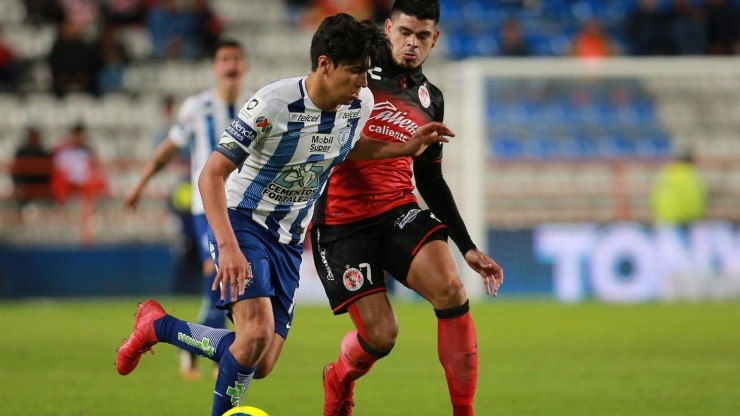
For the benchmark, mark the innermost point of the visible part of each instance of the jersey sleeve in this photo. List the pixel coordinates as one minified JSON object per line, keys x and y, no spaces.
{"x":367,"y":103}
{"x":184,"y":126}
{"x":251,"y":126}
{"x":439,"y":104}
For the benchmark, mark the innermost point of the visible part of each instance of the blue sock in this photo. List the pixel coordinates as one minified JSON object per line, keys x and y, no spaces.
{"x":231,"y":384}
{"x":196,"y":338}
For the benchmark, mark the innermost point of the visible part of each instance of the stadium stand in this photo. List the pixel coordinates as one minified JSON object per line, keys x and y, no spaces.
{"x":559,"y":151}
{"x":580,"y":119}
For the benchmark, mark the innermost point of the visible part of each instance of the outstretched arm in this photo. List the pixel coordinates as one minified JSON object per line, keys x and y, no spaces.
{"x":162,"y":156}
{"x":370,"y":149}
{"x":436,"y":193}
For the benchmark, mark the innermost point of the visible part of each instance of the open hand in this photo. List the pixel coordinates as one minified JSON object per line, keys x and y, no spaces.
{"x":427,"y":134}
{"x":487,"y":268}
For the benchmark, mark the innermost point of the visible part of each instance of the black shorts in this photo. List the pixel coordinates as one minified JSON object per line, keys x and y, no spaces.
{"x":351,"y":259}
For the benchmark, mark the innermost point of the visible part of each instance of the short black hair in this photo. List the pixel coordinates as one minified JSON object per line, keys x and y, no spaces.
{"x":347,"y":41}
{"x":420,"y":9}
{"x":227,"y":43}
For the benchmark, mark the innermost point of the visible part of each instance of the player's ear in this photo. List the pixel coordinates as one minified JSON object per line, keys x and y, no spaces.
{"x":435,"y":37}
{"x":324,"y":64}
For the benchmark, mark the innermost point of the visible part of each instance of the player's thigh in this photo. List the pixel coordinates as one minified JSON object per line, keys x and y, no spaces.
{"x":348,"y":264}
{"x":407,"y":231}
{"x":253,"y":318}
{"x":433,"y":275}
{"x":254,"y":328}
{"x":375,"y":320}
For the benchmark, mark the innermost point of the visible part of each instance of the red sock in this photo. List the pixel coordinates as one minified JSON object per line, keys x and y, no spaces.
{"x":354,"y":362}
{"x":458,"y":353}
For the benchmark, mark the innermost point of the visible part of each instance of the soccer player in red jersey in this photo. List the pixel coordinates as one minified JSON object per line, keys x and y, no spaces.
{"x":368,"y":222}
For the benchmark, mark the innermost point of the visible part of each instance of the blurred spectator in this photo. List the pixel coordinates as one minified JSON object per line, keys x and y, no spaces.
{"x":84,"y":13}
{"x":359,"y":9}
{"x":114,"y":58}
{"x":592,"y":41}
{"x":31,"y":168}
{"x":172,"y":31}
{"x":8,"y":66}
{"x":208,"y":27}
{"x":679,"y":196}
{"x":295,"y":10}
{"x":648,"y":29}
{"x":76,"y":167}
{"x":512,"y":40}
{"x":124,"y":12}
{"x":43,"y":11}
{"x":723,"y":20}
{"x":74,"y":62}
{"x":688,"y":28}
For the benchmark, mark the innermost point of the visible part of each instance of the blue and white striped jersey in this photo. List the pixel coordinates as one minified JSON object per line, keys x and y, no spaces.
{"x":202,"y":119}
{"x":285,"y":149}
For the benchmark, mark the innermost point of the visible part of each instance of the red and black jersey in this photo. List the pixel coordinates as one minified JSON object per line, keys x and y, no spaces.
{"x":357,"y":190}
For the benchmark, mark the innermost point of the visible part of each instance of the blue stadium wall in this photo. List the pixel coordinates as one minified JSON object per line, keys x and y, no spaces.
{"x":95,"y":271}
{"x":620,"y":262}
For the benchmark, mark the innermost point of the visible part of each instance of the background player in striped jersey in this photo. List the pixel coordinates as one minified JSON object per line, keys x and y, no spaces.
{"x":277,"y":155}
{"x":199,"y":124}
{"x":368,"y":221}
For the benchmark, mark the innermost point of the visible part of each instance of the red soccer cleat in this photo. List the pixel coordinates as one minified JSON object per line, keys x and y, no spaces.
{"x":142,"y":339}
{"x":337,"y":401}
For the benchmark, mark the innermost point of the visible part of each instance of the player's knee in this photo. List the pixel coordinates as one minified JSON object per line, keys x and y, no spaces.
{"x":249,"y":349}
{"x":383,"y":337}
{"x":449,"y":295}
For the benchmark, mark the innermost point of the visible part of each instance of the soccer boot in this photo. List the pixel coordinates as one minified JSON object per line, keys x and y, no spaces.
{"x":142,"y":338}
{"x":337,"y":400}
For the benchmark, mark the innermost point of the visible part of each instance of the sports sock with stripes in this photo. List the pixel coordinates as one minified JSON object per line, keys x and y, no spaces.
{"x":196,"y":338}
{"x":231,"y":384}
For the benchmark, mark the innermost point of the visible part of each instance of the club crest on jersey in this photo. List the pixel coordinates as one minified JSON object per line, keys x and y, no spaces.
{"x":263,"y":124}
{"x":353,"y":279}
{"x":252,"y":103}
{"x":343,"y":135}
{"x":424,"y":97}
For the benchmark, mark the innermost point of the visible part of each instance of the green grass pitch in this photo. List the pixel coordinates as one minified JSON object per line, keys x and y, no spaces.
{"x":537,"y":358}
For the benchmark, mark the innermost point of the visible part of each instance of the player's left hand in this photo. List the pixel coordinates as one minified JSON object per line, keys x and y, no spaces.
{"x":427,"y":134}
{"x":487,"y":268}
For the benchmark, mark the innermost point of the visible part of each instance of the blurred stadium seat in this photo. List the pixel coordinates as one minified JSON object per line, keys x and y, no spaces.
{"x":555,"y":143}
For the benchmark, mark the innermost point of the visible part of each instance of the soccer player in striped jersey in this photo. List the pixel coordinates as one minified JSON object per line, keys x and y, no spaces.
{"x":258,"y":190}
{"x":368,"y":221}
{"x":198,"y":127}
